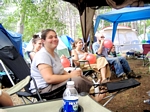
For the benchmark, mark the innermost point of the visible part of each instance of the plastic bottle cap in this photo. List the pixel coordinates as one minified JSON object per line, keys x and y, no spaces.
{"x":70,"y":83}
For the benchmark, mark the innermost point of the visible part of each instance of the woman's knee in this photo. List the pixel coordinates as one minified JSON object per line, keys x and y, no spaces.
{"x":81,"y":84}
{"x":77,"y":80}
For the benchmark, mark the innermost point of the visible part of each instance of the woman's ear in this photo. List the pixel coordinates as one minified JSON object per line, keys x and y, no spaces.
{"x":75,"y":44}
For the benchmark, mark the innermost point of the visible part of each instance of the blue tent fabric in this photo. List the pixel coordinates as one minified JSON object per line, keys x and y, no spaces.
{"x":67,"y":41}
{"x":123,"y":15}
{"x":24,"y":44}
{"x":14,"y":37}
{"x":148,"y":35}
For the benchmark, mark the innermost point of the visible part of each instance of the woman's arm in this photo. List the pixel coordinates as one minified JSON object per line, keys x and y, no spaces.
{"x":47,"y":73}
{"x":75,"y":58}
{"x":32,"y":54}
{"x":100,"y":49}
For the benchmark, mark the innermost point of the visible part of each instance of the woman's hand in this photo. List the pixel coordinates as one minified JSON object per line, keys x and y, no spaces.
{"x":62,"y":56}
{"x":75,"y":73}
{"x":85,"y":54}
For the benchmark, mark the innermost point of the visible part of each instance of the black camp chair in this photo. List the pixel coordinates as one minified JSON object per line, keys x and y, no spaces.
{"x":15,"y":62}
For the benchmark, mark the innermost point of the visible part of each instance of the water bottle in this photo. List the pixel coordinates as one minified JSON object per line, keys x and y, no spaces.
{"x":147,"y":101}
{"x":70,"y":98}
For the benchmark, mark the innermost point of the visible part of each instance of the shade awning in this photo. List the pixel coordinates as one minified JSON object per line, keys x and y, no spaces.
{"x":123,"y":15}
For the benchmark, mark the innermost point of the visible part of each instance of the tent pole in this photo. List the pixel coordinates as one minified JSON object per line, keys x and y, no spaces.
{"x":7,"y":72}
{"x":85,"y":47}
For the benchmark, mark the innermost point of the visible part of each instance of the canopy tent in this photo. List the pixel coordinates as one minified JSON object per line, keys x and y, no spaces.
{"x":123,"y":15}
{"x":87,"y":9}
{"x":7,"y":38}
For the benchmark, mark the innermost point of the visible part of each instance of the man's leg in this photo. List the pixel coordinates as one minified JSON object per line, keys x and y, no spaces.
{"x":130,"y":73}
{"x":125,"y":64}
{"x":118,"y":67}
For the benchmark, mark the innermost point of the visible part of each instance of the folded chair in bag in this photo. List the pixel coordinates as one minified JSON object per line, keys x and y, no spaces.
{"x":15,"y":62}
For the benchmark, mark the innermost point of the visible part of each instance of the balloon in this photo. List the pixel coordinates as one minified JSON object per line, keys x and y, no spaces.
{"x":108,"y":43}
{"x":95,"y":55}
{"x":91,"y":58}
{"x":65,"y":62}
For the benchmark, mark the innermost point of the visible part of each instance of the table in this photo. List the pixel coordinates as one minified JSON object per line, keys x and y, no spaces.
{"x":88,"y":104}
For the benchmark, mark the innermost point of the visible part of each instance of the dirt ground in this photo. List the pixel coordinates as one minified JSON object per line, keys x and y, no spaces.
{"x":130,"y":100}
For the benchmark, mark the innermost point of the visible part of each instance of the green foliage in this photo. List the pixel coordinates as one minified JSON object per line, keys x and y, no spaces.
{"x":34,"y":17}
{"x":79,"y":31}
{"x":39,"y":17}
{"x":148,"y":26}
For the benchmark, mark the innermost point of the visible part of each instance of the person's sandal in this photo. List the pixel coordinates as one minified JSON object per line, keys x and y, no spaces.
{"x":105,"y":80}
{"x":131,"y":74}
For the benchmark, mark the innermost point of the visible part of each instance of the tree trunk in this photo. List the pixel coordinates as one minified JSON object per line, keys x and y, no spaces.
{"x":91,"y":37}
{"x":20,"y":24}
{"x":144,"y":30}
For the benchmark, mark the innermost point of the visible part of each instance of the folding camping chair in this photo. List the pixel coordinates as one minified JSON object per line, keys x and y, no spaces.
{"x":115,"y":88}
{"x":6,"y":72}
{"x":88,"y":71}
{"x":15,"y":62}
{"x":86,"y":104}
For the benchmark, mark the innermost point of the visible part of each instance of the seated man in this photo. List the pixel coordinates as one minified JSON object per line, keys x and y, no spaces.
{"x":121,"y":65}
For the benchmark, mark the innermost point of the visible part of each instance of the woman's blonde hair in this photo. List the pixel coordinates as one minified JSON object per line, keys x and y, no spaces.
{"x":75,"y":42}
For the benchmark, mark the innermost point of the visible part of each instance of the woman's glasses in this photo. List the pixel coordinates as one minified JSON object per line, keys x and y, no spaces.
{"x":102,"y":37}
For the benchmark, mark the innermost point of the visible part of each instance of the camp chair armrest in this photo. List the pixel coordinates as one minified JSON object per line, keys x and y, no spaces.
{"x":20,"y":85}
{"x":37,"y":92}
{"x":83,"y":61}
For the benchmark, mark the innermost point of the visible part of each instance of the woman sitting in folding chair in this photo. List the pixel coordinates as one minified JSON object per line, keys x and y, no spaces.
{"x":48,"y":72}
{"x":37,"y":45}
{"x":102,"y":64}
